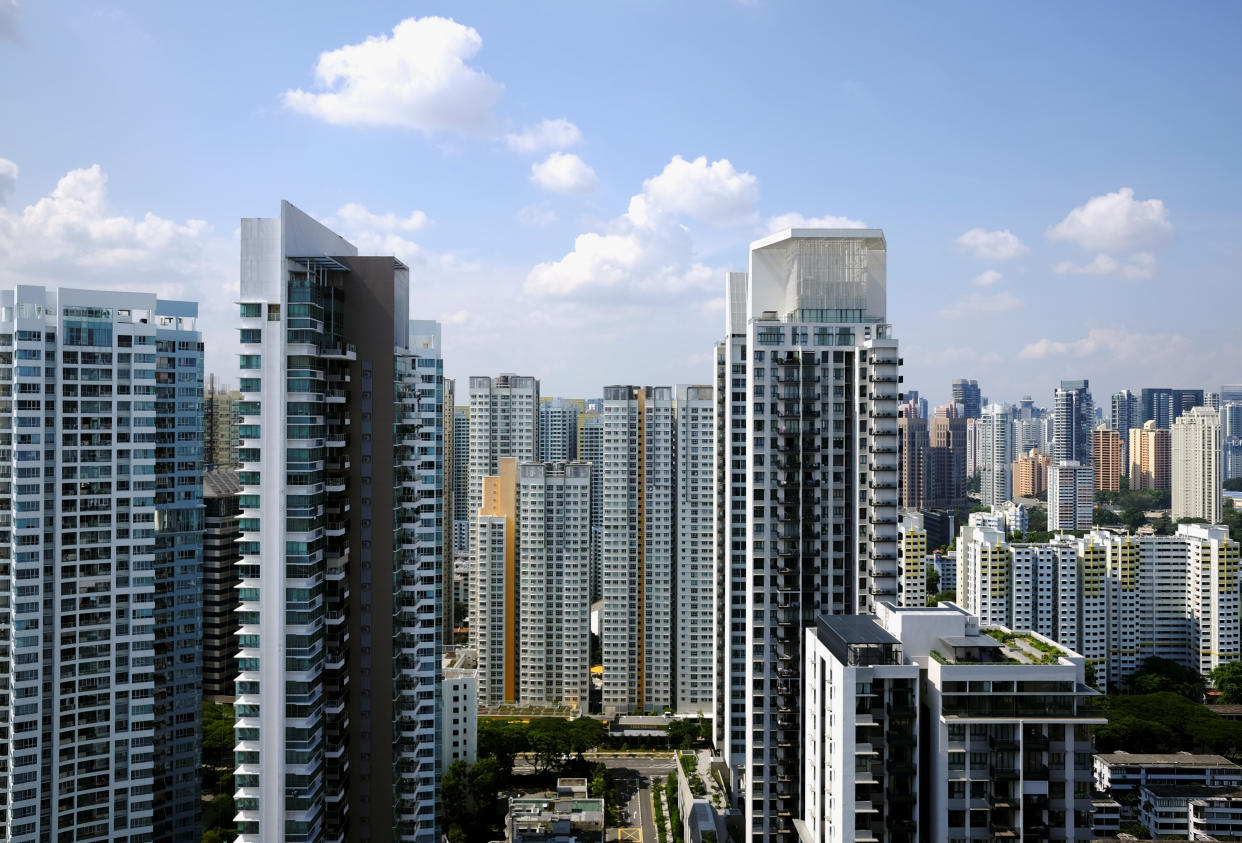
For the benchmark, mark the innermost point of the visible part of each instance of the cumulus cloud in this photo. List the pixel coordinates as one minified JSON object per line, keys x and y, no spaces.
{"x":357,"y":217}
{"x":796,"y":220}
{"x":649,"y":249}
{"x":418,"y":78}
{"x":563,"y":172}
{"x":1115,"y":343}
{"x":8,"y":178}
{"x":987,"y":278}
{"x":457,"y":317}
{"x":1115,"y":222}
{"x":536,"y":216}
{"x":981,"y":304}
{"x":992,"y":245}
{"x":1138,"y":267}
{"x":714,"y":192}
{"x":548,"y":134}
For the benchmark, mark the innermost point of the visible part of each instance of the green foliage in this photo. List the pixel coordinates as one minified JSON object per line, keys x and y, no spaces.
{"x":1105,"y":517}
{"x":217,"y":773}
{"x":461,"y":613}
{"x":1157,"y":675}
{"x":1136,"y":829}
{"x":975,"y":483}
{"x":933,"y":579}
{"x":980,"y":508}
{"x":1228,"y":680}
{"x":1036,"y":521}
{"x":657,"y":798}
{"x":670,"y":789}
{"x":1165,"y":722}
{"x":1233,"y":484}
{"x":942,"y":597}
{"x":686,"y":734}
{"x":218,"y":835}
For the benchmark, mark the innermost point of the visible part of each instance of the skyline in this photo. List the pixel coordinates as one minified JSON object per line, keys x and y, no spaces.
{"x":1039,"y":186}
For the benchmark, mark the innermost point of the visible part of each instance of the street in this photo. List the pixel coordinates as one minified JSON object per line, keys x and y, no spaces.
{"x":633,"y":777}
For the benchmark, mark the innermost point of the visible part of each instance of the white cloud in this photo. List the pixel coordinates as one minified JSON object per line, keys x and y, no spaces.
{"x":714,"y":192}
{"x":8,"y":178}
{"x":992,"y":245}
{"x":1115,"y":222}
{"x":1115,"y":343}
{"x":987,"y":278}
{"x":417,"y":78}
{"x":563,"y":172}
{"x":796,"y":220}
{"x":9,"y":17}
{"x":356,"y":217}
{"x":648,"y":249}
{"x":981,"y":304}
{"x":548,"y":134}
{"x":457,"y":317}
{"x":1138,"y":267}
{"x":537,"y":215}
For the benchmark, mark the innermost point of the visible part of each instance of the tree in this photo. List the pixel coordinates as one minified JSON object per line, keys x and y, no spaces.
{"x":933,"y":579}
{"x":684,"y":734}
{"x":1136,"y":829}
{"x":455,"y":787}
{"x":1105,"y":517}
{"x":501,"y":741}
{"x":1157,"y":675}
{"x":1133,"y":517}
{"x":1037,"y":519}
{"x":585,"y":734}
{"x":975,"y":483}
{"x":548,"y":739}
{"x":1233,"y":484}
{"x":942,"y":597}
{"x":1228,"y":680}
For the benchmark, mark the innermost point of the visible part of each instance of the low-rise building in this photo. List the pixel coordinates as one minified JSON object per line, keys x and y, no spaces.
{"x":1120,"y":772}
{"x":560,"y":817}
{"x":1189,"y":812}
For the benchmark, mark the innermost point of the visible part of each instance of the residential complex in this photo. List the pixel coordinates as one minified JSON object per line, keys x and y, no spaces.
{"x":220,"y":420}
{"x":1074,"y":414}
{"x":913,"y":452}
{"x":639,"y":548}
{"x":1030,"y":474}
{"x":1197,"y":458}
{"x":1150,"y":457}
{"x":558,"y":429}
{"x":338,"y":711}
{"x":591,"y":449}
{"x":967,"y":394}
{"x":695,"y":587}
{"x":946,"y":459}
{"x":461,"y":480}
{"x":1106,"y":455}
{"x":1124,"y":415}
{"x":101,"y":565}
{"x":1113,"y":597}
{"x":1005,"y":751}
{"x":1071,"y":495}
{"x":806,"y":488}
{"x":995,"y":455}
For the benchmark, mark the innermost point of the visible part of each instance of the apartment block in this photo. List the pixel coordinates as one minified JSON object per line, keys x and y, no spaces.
{"x":996,"y":455}
{"x":1151,"y":457}
{"x":946,"y":459}
{"x":807,"y":384}
{"x":913,"y":449}
{"x":1197,"y":458}
{"x":459,"y":738}
{"x":591,"y":449}
{"x":1074,"y":414}
{"x":695,"y":586}
{"x":494,"y":586}
{"x":461,"y":480}
{"x":1071,"y":495}
{"x":100,"y":564}
{"x":912,"y":566}
{"x":927,"y":724}
{"x":1106,"y":454}
{"x":1030,"y":474}
{"x":639,"y":548}
{"x":220,"y":421}
{"x":338,"y":713}
{"x":558,"y":429}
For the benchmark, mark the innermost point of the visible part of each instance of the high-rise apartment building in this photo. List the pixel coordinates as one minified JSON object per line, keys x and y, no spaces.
{"x":926,"y":725}
{"x":1231,"y":420}
{"x":220,"y":558}
{"x":504,"y":422}
{"x":1106,"y":455}
{"x":461,"y":480}
{"x":1198,"y":465}
{"x":996,"y":454}
{"x":1150,"y":457}
{"x":946,"y":459}
{"x":913,"y":455}
{"x":912,"y":565}
{"x":558,"y":429}
{"x":591,"y":449}
{"x":338,"y":713}
{"x":1030,"y":474}
{"x":100,"y":565}
{"x":1231,"y":393}
{"x":966,"y":393}
{"x":553,"y":583}
{"x":1074,"y":412}
{"x":807,"y":490}
{"x":1116,"y":598}
{"x":1071,"y":495}
{"x":974,"y":448}
{"x":695,"y":585}
{"x":220,"y":420}
{"x":494,"y":586}
{"x":1124,"y":415}
{"x":1156,"y":405}
{"x":639,"y":548}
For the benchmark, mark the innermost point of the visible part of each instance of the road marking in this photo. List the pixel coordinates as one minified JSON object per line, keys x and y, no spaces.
{"x":634,"y":835}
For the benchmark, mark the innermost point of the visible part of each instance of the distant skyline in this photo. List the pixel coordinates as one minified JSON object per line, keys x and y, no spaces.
{"x":1058,"y":191}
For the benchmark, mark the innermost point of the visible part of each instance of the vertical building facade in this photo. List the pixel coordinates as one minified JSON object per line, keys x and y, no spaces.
{"x":338,"y":712}
{"x":558,"y":429}
{"x":100,"y":564}
{"x":808,"y":464}
{"x":1150,"y":457}
{"x":996,"y":455}
{"x":1106,"y":454}
{"x":1074,"y":414}
{"x":639,"y":548}
{"x":461,"y":480}
{"x":220,"y":558}
{"x":913,"y":447}
{"x":1071,"y":495}
{"x":591,"y":449}
{"x":1124,"y":415}
{"x":494,"y":587}
{"x":695,"y":583}
{"x":966,"y":393}
{"x":946,"y":459}
{"x":220,"y":420}
{"x":1197,"y":463}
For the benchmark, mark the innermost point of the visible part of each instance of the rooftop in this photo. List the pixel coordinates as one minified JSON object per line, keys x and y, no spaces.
{"x":1172,"y":759}
{"x":1193,"y":791}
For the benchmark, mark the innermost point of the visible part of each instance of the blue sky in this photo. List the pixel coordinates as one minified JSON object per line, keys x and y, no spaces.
{"x":1058,"y":182}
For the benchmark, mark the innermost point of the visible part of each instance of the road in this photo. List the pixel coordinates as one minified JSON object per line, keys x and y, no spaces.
{"x":633,"y":776}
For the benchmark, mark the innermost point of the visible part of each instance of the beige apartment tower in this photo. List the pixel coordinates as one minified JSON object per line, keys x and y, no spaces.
{"x":1106,"y":454}
{"x":1149,"y":457}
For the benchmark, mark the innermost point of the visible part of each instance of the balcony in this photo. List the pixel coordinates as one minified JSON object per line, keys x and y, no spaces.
{"x":1000,"y":773}
{"x":1003,"y":744}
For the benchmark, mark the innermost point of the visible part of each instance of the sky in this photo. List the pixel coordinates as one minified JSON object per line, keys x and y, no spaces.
{"x":569,"y":181}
